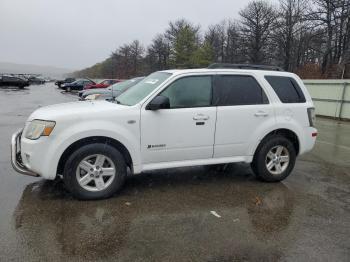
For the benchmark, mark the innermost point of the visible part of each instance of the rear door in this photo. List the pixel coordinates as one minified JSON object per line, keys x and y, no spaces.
{"x":243,"y":111}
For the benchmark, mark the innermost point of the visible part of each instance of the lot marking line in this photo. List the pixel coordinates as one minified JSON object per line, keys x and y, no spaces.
{"x":215,"y":214}
{"x":328,"y":143}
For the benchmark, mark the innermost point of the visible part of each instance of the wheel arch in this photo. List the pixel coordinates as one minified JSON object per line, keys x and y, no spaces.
{"x":90,"y":140}
{"x":285,"y":132}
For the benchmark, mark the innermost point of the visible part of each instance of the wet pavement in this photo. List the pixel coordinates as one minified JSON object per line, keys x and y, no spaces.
{"x":167,"y":215}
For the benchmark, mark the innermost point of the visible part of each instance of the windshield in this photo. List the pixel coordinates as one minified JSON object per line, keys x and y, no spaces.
{"x":122,"y":86}
{"x":138,"y":92}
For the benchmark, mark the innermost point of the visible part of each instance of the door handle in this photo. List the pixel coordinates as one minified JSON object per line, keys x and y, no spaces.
{"x":261,"y":113}
{"x":200,"y":117}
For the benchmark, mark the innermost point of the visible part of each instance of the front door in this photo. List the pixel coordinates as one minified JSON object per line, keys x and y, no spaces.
{"x":186,"y":130}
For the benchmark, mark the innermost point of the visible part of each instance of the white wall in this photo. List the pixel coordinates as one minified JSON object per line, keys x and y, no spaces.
{"x":331,"y":97}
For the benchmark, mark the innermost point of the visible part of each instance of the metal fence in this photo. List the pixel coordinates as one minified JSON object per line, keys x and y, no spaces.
{"x":331,"y":97}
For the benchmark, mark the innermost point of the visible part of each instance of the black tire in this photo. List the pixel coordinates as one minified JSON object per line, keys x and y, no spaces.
{"x":259,"y":164}
{"x":70,"y":178}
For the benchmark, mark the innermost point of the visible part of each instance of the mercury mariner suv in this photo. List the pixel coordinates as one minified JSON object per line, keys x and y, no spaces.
{"x":222,"y":114}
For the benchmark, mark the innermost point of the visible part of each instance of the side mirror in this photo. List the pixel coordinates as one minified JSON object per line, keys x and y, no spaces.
{"x":159,"y":102}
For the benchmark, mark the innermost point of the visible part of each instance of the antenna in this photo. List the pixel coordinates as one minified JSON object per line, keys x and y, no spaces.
{"x":113,"y":98}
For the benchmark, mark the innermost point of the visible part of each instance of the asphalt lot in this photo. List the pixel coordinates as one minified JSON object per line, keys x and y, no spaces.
{"x":166,"y":215}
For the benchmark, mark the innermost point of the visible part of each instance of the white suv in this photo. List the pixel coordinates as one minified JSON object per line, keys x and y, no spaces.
{"x":170,"y":119}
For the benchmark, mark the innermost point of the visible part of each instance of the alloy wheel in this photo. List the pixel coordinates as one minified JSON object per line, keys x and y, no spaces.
{"x":277,"y":160}
{"x":95,"y":172}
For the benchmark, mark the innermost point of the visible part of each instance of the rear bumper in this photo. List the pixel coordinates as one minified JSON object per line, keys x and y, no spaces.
{"x":308,"y":140}
{"x":16,"y":159}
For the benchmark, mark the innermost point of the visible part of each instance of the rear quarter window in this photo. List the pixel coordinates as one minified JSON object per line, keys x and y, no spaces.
{"x":286,"y":88}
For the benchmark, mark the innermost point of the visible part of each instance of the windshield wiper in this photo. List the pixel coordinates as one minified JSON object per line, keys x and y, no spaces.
{"x":116,"y":100}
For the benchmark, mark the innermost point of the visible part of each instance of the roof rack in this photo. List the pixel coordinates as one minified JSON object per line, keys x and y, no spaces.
{"x":244,"y":66}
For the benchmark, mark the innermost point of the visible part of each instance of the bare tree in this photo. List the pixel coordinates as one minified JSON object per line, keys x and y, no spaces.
{"x":233,"y":52}
{"x":136,"y":56}
{"x":158,"y":53}
{"x":224,"y":39}
{"x":288,"y":31}
{"x":217,"y":38}
{"x":333,"y":17}
{"x":256,"y":29}
{"x":304,"y":36}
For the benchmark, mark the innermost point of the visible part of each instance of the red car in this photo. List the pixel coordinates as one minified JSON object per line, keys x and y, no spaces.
{"x":103,"y":84}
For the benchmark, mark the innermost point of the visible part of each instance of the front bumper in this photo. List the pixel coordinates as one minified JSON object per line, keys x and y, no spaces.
{"x":16,"y":159}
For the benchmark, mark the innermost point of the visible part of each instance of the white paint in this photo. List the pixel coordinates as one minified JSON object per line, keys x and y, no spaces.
{"x":215,"y":214}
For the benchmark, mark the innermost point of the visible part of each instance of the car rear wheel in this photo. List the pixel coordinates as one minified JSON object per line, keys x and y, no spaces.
{"x":95,"y":171}
{"x":274,"y":159}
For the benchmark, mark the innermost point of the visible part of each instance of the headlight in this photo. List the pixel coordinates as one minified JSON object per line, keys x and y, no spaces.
{"x":92,"y":97}
{"x":38,"y":128}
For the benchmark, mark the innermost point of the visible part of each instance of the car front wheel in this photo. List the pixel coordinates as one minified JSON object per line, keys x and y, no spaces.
{"x":95,"y":171}
{"x":274,"y":159}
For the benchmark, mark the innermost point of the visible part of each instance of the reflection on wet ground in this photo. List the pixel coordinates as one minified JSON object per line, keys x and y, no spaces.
{"x":13,"y":90}
{"x":156,"y":211}
{"x":167,"y":215}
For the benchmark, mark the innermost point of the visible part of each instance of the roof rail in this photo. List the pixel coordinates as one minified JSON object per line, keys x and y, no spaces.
{"x":244,"y":66}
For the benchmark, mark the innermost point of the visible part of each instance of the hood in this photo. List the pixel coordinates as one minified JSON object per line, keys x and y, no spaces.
{"x":75,"y":110}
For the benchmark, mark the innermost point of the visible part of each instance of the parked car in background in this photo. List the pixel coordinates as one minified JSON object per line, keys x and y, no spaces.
{"x":7,"y":80}
{"x":110,"y":92}
{"x":175,"y":118}
{"x":103,"y":84}
{"x":59,"y":83}
{"x":77,"y":85}
{"x":35,"y":80}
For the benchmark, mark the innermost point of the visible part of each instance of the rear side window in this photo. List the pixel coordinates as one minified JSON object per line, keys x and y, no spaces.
{"x":286,"y":88}
{"x":232,"y":90}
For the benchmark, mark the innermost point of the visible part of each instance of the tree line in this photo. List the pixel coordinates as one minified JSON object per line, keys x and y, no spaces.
{"x":309,"y":37}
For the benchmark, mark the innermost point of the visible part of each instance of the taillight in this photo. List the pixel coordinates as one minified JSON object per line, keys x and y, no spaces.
{"x":312,"y":116}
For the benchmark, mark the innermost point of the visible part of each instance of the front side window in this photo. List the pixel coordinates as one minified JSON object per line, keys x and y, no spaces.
{"x":286,"y":88}
{"x":191,"y":91}
{"x":235,"y":90}
{"x":135,"y":94}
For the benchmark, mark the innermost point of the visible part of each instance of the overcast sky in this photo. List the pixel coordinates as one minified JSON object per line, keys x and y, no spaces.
{"x":78,"y":33}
